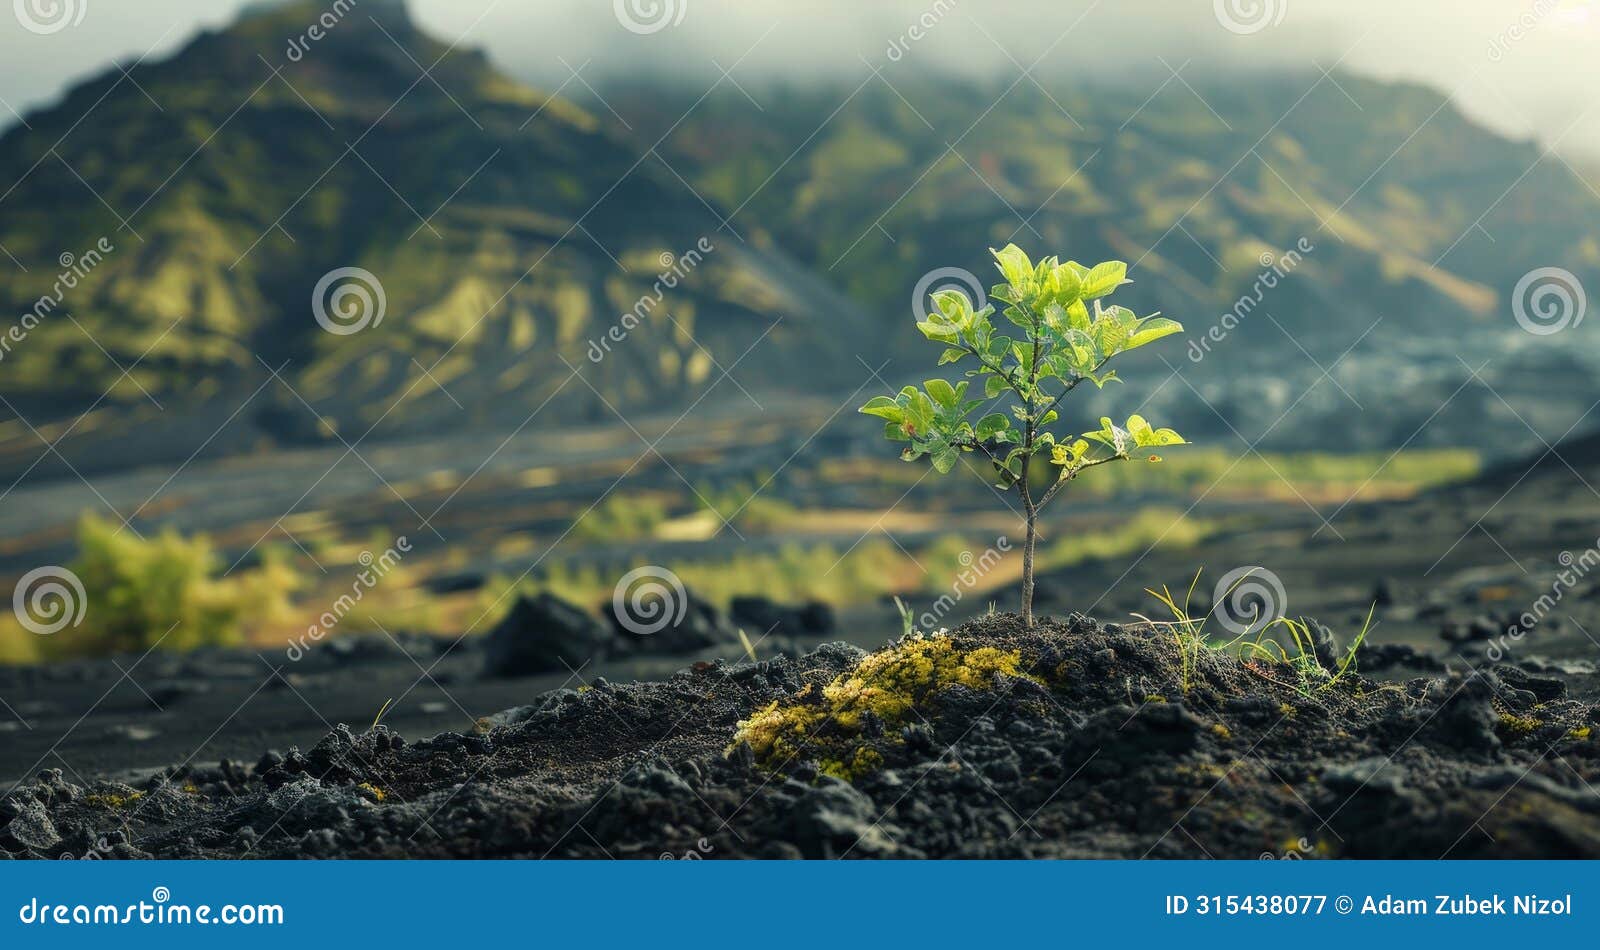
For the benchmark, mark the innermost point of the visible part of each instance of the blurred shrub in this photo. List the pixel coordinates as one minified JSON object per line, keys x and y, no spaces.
{"x":752,"y":506}
{"x":163,"y":591}
{"x":621,"y":517}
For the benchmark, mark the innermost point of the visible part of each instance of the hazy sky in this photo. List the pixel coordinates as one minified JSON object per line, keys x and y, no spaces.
{"x":1527,"y":67}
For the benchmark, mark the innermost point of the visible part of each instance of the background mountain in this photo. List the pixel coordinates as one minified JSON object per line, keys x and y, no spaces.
{"x":1421,"y":224}
{"x":510,"y":228}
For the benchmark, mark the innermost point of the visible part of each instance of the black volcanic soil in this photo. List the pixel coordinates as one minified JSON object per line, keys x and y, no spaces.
{"x":1102,"y":754}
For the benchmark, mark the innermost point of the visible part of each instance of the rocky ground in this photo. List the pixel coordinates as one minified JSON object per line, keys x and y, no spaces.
{"x":1092,"y":740}
{"x":1467,"y":733}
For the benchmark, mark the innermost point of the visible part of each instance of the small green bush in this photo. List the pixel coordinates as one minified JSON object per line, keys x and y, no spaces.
{"x":162,"y":591}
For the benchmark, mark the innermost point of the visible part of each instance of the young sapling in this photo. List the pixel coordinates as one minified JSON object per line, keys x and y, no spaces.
{"x":1068,"y":335}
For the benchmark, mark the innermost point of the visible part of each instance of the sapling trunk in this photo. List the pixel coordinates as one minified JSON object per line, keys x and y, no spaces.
{"x":1032,"y":517}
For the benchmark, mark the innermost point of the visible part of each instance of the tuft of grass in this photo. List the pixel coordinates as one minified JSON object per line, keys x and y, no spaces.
{"x":1310,"y":675}
{"x":1296,"y":652}
{"x":908,"y":620}
{"x":382,"y":711}
{"x":750,"y":507}
{"x":1188,"y":632}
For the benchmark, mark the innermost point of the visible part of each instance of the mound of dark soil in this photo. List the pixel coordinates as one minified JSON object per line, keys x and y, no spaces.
{"x":1110,"y":746}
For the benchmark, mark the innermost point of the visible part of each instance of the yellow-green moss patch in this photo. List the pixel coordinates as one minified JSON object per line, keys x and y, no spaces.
{"x":892,"y":685}
{"x":1513,"y":725}
{"x":111,"y":799}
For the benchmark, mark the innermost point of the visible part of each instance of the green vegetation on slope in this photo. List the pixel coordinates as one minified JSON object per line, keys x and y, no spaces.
{"x":917,"y":175}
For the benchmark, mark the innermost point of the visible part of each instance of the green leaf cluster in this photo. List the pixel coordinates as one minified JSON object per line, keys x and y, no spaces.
{"x":1065,"y":334}
{"x":934,"y":420}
